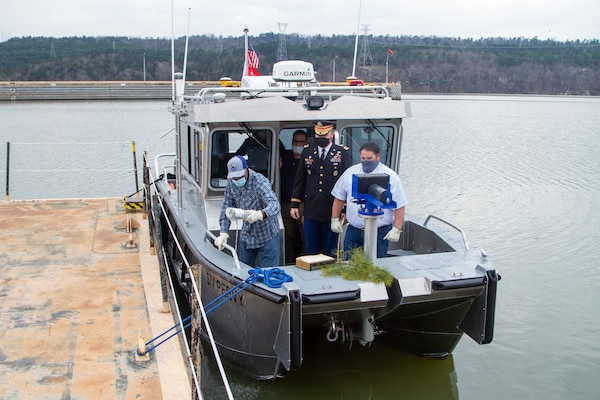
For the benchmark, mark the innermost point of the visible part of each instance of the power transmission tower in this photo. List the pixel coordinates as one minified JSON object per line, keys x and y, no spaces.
{"x":282,"y":52}
{"x":52,"y":51}
{"x":365,"y":53}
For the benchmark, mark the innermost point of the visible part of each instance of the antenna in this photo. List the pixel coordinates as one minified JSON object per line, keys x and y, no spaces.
{"x":282,"y":52}
{"x":365,"y":54}
{"x":187,"y":36}
{"x":172,"y":55}
{"x":356,"y":41}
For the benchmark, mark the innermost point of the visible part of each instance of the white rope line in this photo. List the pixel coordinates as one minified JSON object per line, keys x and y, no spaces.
{"x":71,"y":170}
{"x":201,"y":306}
{"x":197,"y":387}
{"x":67,"y":143}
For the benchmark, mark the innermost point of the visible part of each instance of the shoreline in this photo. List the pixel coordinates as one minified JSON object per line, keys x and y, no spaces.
{"x":13,"y":91}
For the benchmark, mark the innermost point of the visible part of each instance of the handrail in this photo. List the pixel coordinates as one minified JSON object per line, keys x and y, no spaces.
{"x":380,"y":91}
{"x":232,"y":250}
{"x":202,"y":311}
{"x":464,"y":236}
{"x":161,"y":156}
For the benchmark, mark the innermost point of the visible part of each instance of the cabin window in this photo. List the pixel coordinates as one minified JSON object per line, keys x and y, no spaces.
{"x":185,"y":148}
{"x":382,"y":135}
{"x":254,"y":145}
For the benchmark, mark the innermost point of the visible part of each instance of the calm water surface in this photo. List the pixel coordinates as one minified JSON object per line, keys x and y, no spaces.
{"x":521,"y":175}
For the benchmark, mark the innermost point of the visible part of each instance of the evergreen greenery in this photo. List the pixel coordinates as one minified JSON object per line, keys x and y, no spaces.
{"x":358,"y":268}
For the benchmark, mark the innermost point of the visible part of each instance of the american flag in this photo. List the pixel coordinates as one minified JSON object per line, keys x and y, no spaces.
{"x":253,"y":63}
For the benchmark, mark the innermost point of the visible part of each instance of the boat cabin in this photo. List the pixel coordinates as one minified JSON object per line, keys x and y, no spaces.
{"x":258,"y":123}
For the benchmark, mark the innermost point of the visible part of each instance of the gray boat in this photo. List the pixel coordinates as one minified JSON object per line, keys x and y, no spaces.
{"x":443,"y":287}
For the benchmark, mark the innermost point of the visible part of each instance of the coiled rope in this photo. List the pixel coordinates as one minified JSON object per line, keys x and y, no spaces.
{"x":273,"y":278}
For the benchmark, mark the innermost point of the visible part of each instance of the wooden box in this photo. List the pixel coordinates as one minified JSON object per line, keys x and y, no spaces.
{"x":314,"y":261}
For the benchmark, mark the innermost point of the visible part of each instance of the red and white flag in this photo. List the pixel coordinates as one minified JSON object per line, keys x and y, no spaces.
{"x":390,"y":52}
{"x":253,"y":62}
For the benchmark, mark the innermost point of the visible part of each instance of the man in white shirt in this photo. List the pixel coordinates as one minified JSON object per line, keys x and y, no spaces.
{"x":389,"y":225}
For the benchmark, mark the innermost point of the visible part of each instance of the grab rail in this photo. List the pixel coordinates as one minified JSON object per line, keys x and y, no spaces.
{"x":375,"y":90}
{"x":464,"y":236}
{"x":164,"y":166}
{"x":233,"y":252}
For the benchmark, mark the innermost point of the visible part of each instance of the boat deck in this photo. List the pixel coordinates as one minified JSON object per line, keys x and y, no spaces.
{"x":74,"y":298}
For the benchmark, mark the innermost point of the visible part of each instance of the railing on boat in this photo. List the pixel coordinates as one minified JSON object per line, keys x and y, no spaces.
{"x":463,"y":234}
{"x":207,"y":94}
{"x":164,"y":167}
{"x":232,"y":250}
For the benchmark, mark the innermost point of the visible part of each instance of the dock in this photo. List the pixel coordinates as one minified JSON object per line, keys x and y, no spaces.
{"x":76,"y":290}
{"x":15,"y":91}
{"x":94,"y":90}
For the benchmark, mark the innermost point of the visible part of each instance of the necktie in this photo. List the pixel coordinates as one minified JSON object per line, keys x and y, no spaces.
{"x":322,"y":154}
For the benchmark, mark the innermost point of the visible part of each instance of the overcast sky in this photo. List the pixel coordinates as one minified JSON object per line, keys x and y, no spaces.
{"x":545,"y":19}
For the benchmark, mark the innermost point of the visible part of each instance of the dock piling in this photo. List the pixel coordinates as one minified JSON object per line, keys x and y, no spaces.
{"x":7,"y":171}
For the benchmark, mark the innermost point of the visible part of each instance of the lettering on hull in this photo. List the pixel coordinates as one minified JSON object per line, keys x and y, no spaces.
{"x":220,"y":286}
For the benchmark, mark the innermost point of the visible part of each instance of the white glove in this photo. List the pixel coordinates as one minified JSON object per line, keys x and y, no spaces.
{"x":254,"y":215}
{"x":336,"y":225}
{"x":393,"y":235}
{"x":221,"y":240}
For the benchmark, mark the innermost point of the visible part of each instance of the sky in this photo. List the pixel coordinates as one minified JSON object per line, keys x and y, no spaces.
{"x":545,"y":19}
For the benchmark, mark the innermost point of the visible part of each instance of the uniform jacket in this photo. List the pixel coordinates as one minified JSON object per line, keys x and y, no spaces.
{"x":315,"y":179}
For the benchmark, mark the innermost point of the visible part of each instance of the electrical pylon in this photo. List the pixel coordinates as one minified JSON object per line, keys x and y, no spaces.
{"x":282,"y":52}
{"x":365,"y":53}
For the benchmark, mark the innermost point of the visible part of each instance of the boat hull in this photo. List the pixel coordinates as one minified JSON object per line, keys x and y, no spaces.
{"x":261,"y":331}
{"x":246,"y":328}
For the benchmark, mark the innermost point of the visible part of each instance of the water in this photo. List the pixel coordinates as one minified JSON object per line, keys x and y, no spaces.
{"x":79,"y":149}
{"x":521,"y":175}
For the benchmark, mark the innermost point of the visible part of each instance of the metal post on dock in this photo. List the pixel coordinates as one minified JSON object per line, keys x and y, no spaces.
{"x":146,"y":189}
{"x":137,"y":185}
{"x":7,"y":171}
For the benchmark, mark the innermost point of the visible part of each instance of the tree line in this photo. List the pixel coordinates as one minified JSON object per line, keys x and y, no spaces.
{"x":421,"y":64}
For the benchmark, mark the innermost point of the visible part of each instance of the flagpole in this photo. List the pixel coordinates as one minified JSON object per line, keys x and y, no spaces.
{"x":387,"y":59}
{"x":245,"y":71}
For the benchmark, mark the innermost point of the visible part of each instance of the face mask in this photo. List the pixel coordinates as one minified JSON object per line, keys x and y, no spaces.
{"x":369,"y":165}
{"x":297,"y":149}
{"x":321,"y":142}
{"x":240,"y":182}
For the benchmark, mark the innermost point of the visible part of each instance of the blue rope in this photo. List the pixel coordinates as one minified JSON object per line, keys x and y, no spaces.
{"x":247,"y":284}
{"x":273,"y":278}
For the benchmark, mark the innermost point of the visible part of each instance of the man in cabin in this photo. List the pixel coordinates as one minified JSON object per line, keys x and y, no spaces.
{"x":251,"y":192}
{"x":322,"y":164}
{"x":389,"y":225}
{"x":294,"y":228}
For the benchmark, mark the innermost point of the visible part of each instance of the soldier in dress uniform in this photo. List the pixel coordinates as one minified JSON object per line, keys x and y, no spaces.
{"x":322,"y":164}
